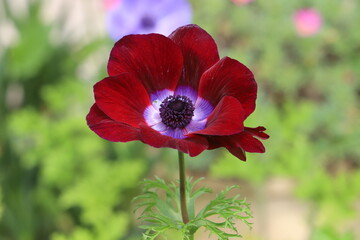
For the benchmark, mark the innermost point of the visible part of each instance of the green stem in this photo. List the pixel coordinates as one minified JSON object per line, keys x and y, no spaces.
{"x":184,"y":212}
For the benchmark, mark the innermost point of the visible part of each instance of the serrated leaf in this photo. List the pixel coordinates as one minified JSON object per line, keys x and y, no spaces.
{"x":161,"y":214}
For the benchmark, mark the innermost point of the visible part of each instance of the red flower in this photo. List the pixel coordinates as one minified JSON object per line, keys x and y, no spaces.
{"x":176,"y":92}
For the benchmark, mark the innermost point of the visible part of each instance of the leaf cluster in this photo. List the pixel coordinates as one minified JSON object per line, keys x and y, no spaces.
{"x":159,"y":208}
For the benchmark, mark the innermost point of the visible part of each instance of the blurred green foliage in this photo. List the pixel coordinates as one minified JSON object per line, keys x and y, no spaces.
{"x":59,"y":181}
{"x":1,"y":206}
{"x":309,"y":101}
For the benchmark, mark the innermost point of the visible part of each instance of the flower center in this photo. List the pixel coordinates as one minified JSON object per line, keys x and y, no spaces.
{"x":176,"y":111}
{"x":147,"y":22}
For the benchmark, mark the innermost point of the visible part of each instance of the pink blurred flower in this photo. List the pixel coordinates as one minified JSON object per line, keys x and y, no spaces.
{"x":307,"y":22}
{"x":111,"y":4}
{"x":242,"y":2}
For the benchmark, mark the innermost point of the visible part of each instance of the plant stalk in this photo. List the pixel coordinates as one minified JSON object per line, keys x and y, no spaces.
{"x":184,"y":212}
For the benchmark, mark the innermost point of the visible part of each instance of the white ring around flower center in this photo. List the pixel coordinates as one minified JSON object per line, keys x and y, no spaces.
{"x":198,"y":122}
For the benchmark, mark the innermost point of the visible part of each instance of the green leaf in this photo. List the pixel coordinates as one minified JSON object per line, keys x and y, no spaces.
{"x":161,"y":214}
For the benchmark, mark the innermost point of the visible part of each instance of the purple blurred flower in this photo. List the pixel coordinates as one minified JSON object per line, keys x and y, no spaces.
{"x":147,"y":16}
{"x":307,"y":22}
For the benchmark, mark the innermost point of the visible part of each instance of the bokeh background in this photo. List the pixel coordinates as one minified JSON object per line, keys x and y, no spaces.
{"x":58,"y":180}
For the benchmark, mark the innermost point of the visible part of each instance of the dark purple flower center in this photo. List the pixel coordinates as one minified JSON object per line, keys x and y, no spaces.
{"x":176,"y":111}
{"x":147,"y":22}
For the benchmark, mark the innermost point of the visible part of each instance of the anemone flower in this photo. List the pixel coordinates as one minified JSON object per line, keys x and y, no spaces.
{"x":176,"y":92}
{"x":147,"y":16}
{"x":307,"y":22}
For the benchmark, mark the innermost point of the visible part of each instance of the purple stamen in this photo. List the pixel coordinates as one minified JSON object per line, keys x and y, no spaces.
{"x":176,"y":111}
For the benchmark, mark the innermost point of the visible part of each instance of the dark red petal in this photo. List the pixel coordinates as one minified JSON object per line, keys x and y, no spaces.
{"x":245,"y":140}
{"x":238,"y":143}
{"x":250,"y":144}
{"x":229,"y":77}
{"x":226,"y":119}
{"x":237,"y":152}
{"x":122,"y":98}
{"x":109,"y":129}
{"x":153,"y":59}
{"x":259,"y":132}
{"x":193,"y":145}
{"x":199,"y":51}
